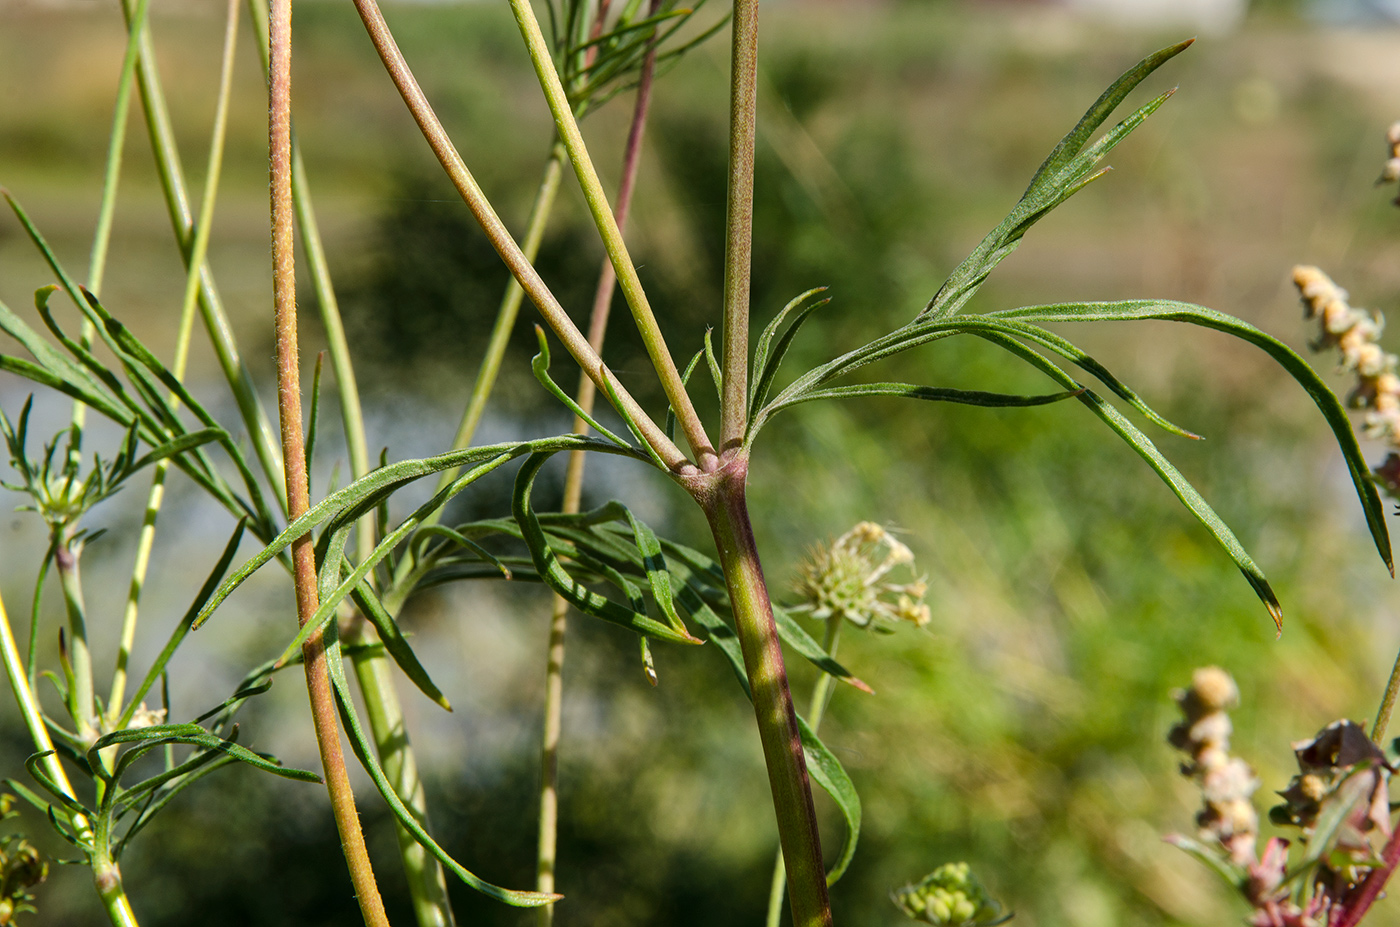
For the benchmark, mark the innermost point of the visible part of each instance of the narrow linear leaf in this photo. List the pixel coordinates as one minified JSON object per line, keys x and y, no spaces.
{"x":555,"y":576}
{"x":1164,"y":468}
{"x":930,"y":393}
{"x":540,"y":365}
{"x":1326,"y":401}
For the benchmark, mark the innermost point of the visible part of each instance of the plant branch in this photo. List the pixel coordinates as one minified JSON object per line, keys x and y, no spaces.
{"x":1392,"y":688}
{"x":323,"y":708}
{"x":738,"y":245}
{"x":547,"y":856}
{"x":167,"y":158}
{"x":821,"y":695}
{"x":721,"y":496}
{"x":155,"y":498}
{"x":509,"y":310}
{"x":559,"y":322}
{"x":607,"y":223}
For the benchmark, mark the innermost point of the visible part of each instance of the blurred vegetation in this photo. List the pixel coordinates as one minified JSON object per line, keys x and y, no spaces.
{"x":1070,"y":592}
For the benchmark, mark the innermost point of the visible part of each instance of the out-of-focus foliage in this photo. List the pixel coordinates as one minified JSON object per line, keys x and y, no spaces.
{"x":1023,"y":730}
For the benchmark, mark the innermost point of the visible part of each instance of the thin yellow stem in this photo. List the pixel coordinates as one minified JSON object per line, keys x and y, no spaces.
{"x":155,"y":498}
{"x":603,"y":218}
{"x":558,"y":320}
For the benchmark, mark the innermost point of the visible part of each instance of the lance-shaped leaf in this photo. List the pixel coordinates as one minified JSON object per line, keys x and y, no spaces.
{"x":767,"y":358}
{"x":558,"y":579}
{"x":1065,"y":171}
{"x":1326,"y":401}
{"x":1164,"y":468}
{"x":193,"y":734}
{"x":371,"y":489}
{"x":828,"y":772}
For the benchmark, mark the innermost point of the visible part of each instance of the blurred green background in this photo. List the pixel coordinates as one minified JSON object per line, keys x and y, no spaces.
{"x":1024,"y":730}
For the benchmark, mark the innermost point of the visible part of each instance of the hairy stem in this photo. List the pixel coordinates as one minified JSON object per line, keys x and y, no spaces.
{"x":559,"y":322}
{"x":547,"y":856}
{"x":318,"y":686}
{"x":722,"y":498}
{"x":738,"y":244}
{"x":427,"y":884}
{"x":821,"y":695}
{"x":603,"y":218}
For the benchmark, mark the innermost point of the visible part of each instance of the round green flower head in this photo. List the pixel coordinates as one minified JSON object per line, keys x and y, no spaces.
{"x":849,"y":579}
{"x":950,"y":896}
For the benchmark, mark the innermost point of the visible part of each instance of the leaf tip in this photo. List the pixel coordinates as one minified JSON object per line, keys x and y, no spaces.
{"x":859,"y":684}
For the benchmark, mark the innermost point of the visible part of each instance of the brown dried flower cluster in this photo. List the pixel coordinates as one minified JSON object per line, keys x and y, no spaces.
{"x":1391,"y":172}
{"x":1355,"y":334}
{"x":1227,"y":783}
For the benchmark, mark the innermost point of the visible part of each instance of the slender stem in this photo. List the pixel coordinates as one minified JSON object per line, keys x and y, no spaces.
{"x":81,"y":700}
{"x":1359,"y":900}
{"x":547,"y":856}
{"x":154,"y":499}
{"x":29,"y":709}
{"x":168,"y":167}
{"x":509,"y":309}
{"x":97,"y":261}
{"x":323,"y":708}
{"x":722,"y":498}
{"x":106,"y":875}
{"x":821,"y":696}
{"x":567,"y":127}
{"x":426,"y":880}
{"x":738,"y":244}
{"x":374,"y":673}
{"x":559,"y":322}
{"x":1392,"y":687}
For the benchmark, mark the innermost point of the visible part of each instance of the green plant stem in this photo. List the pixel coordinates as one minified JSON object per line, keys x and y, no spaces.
{"x":216,"y":322}
{"x":558,"y":320}
{"x":97,"y":261}
{"x":603,"y":218}
{"x":1392,"y":687}
{"x":374,"y":672}
{"x":509,"y":309}
{"x":548,"y":845}
{"x":738,"y":244}
{"x":721,"y":495}
{"x":821,"y":695}
{"x":81,"y":700}
{"x":155,"y":498}
{"x":426,"y":881}
{"x":318,"y":686}
{"x":106,"y":874}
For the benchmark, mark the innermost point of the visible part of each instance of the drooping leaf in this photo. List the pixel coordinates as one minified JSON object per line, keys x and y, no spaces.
{"x":1164,"y":468}
{"x":1326,"y":401}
